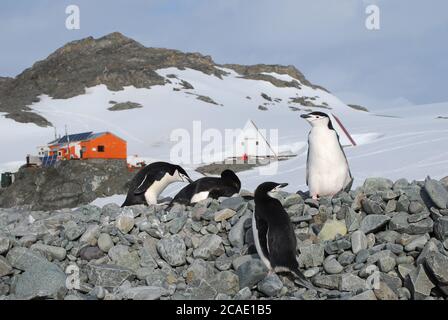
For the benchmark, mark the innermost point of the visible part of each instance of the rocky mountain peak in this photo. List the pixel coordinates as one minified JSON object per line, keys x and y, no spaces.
{"x":115,"y":61}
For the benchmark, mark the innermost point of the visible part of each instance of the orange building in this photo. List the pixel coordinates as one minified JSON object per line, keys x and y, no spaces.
{"x":88,"y":145}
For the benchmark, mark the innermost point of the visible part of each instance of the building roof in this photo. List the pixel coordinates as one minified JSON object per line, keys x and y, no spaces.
{"x":79,"y":137}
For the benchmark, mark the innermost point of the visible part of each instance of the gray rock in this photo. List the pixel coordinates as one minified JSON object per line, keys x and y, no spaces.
{"x":91,"y":253}
{"x":125,"y":222}
{"x":359,"y":241}
{"x":384,"y":292}
{"x":175,"y":225}
{"x":366,"y":295}
{"x":346,"y":258}
{"x":309,"y":273}
{"x":271,"y":285}
{"x":377,"y":184}
{"x":121,"y":256}
{"x":438,"y":266}
{"x":371,"y":207}
{"x":173,"y":250}
{"x":338,"y":246}
{"x":209,"y":246}
{"x":73,"y":231}
{"x":234,"y":203}
{"x":418,"y":216}
{"x":403,"y":204}
{"x":352,"y":283}
{"x":353,"y":220}
{"x":362,"y":256}
{"x":142,"y":293}
{"x":41,"y":280}
{"x":24,"y":259}
{"x":311,"y":255}
{"x":391,"y":206}
{"x":198,"y":270}
{"x":404,"y":294}
{"x":105,"y":242}
{"x":404,"y":260}
{"x":223,"y":262}
{"x":437,"y":193}
{"x":415,"y":207}
{"x":386,"y":263}
{"x":55,"y":252}
{"x":237,"y":233}
{"x":400,"y":223}
{"x":108,"y":276}
{"x":332,"y":266}
{"x":373,"y":223}
{"x":243,"y":294}
{"x":419,"y":283}
{"x":204,"y":291}
{"x":90,"y":235}
{"x":224,"y":215}
{"x":417,"y":244}
{"x":111,"y":210}
{"x":388,"y":236}
{"x":405,"y":269}
{"x":226,"y":282}
{"x":5,"y":267}
{"x":441,"y":228}
{"x":400,"y":184}
{"x":327,"y":281}
{"x":4,"y":245}
{"x":429,"y":249}
{"x":251,"y":272}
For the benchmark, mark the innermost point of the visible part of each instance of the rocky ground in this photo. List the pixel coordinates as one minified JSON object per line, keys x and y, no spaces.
{"x":385,"y":240}
{"x":67,"y":184}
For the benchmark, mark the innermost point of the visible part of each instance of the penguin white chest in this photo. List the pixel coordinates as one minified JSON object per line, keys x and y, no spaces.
{"x":154,"y":190}
{"x":199,"y":196}
{"x":327,"y":168}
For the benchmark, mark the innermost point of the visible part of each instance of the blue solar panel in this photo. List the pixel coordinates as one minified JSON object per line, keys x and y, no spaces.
{"x":49,"y":161}
{"x":75,"y":137}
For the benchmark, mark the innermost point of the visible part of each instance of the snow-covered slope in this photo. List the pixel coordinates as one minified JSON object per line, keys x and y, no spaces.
{"x":411,"y":144}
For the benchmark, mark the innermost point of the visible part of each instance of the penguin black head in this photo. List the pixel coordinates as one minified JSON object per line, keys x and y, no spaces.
{"x":318,"y":119}
{"x":268,"y":189}
{"x":230,"y":178}
{"x":182,"y":174}
{"x":177,"y":172}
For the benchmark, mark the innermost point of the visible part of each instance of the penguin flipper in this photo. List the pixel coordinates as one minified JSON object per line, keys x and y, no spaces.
{"x":143,"y":186}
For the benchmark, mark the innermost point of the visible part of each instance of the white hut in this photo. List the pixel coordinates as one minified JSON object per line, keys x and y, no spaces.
{"x":252,"y":143}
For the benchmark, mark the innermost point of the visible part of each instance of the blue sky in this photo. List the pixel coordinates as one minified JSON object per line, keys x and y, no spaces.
{"x":405,"y":62}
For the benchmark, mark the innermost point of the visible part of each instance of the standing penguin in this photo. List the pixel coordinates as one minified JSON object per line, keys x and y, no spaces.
{"x":150,"y":181}
{"x":274,"y":235}
{"x":327,"y":170}
{"x":209,"y":187}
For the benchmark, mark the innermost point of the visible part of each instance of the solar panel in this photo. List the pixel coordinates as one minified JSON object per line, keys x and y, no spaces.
{"x":75,"y":137}
{"x":49,"y":161}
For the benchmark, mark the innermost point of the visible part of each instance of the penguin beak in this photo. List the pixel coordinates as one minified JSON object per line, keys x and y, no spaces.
{"x":189,"y":180}
{"x":305,"y":116}
{"x":282,"y":185}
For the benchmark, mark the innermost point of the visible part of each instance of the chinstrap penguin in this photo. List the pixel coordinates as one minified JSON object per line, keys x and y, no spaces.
{"x":327,"y":169}
{"x":274,"y":235}
{"x":209,"y":187}
{"x":150,"y":181}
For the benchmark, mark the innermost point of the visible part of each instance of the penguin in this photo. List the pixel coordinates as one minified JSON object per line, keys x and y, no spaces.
{"x":209,"y":187}
{"x":274,"y":235}
{"x":150,"y":181}
{"x":327,"y":169}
